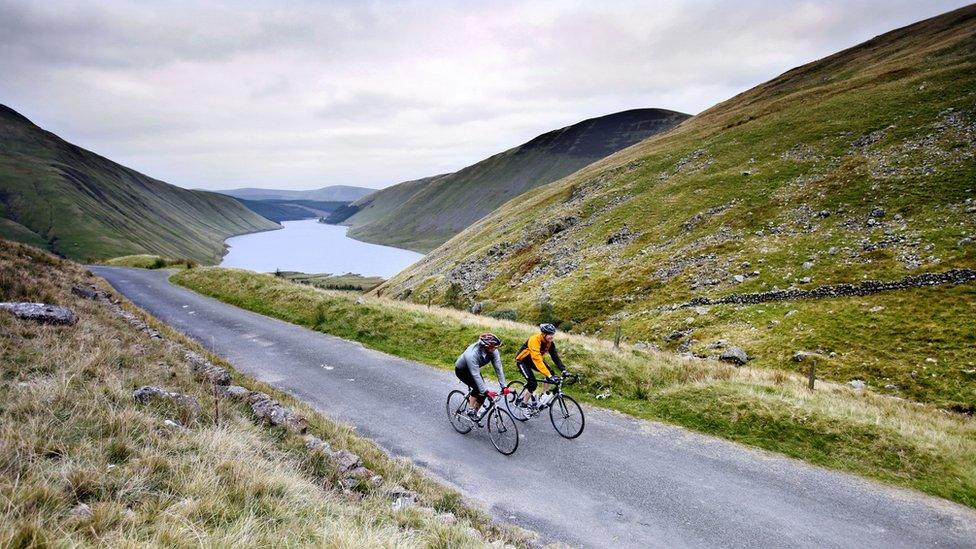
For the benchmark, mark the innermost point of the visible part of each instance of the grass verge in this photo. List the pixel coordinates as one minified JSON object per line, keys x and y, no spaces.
{"x":81,"y":463}
{"x":149,"y":261}
{"x":880,"y":437}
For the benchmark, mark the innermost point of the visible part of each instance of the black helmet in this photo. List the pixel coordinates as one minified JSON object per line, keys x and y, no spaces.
{"x":547,"y":328}
{"x":489,"y":339}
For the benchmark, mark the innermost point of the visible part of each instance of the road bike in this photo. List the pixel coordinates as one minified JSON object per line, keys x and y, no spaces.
{"x":565,"y":413}
{"x":502,"y":427}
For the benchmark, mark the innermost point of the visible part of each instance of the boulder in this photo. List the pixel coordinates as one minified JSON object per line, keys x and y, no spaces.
{"x":446,"y":518}
{"x":146,"y":393}
{"x":801,"y":356}
{"x":236,"y":391}
{"x":677,"y":334}
{"x":403,"y":503}
{"x":347,"y":461}
{"x":174,"y":425}
{"x":84,"y":293}
{"x":271,"y":411}
{"x":81,"y":511}
{"x":316,"y":444}
{"x":41,"y":312}
{"x":857,"y":384}
{"x":476,"y":308}
{"x":206,"y":369}
{"x":734,"y":355}
{"x":877,"y":212}
{"x":401,"y":497}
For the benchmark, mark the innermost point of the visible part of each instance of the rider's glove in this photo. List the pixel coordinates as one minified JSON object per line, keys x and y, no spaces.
{"x":506,"y":390}
{"x":492,"y":395}
{"x":551,"y":379}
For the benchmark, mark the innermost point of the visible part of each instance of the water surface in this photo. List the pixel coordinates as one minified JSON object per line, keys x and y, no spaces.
{"x":312,"y":247}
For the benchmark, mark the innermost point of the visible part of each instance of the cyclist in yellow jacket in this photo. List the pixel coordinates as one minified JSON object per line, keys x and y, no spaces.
{"x":529,"y":360}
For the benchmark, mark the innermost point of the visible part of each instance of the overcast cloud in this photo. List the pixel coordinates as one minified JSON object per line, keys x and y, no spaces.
{"x":300,"y":95}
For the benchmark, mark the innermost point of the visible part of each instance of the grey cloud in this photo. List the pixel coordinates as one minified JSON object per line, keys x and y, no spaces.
{"x":302,"y":94}
{"x":97,"y":35}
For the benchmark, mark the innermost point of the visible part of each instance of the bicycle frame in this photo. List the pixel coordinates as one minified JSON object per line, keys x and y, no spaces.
{"x":492,"y":402}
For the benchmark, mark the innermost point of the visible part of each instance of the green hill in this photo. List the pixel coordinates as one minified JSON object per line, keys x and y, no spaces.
{"x":421,"y":215}
{"x":855,"y":168}
{"x":76,"y":203}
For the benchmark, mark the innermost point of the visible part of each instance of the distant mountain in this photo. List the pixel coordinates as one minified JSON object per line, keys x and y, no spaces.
{"x":334,"y":193}
{"x":422,"y":214}
{"x":74,"y":202}
{"x":767,"y":222}
{"x":290,"y":210}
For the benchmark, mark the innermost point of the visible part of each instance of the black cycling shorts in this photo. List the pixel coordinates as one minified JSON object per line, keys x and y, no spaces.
{"x":528,"y":371}
{"x":465,"y":376}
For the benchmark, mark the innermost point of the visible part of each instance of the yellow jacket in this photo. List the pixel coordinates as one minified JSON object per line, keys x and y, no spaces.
{"x":534,"y":348}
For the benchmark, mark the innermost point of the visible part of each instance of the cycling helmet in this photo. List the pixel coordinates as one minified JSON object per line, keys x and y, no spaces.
{"x":489,"y":339}
{"x":547,"y":328}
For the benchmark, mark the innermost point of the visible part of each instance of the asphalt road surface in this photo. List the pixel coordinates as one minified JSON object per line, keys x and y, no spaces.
{"x":623,"y":483}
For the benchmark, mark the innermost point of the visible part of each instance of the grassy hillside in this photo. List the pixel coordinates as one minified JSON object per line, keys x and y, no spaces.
{"x":83,"y":464}
{"x":380,"y":204}
{"x":856,"y":167}
{"x":439,"y":209}
{"x":83,"y":206}
{"x":332,"y":193}
{"x":888,"y":439}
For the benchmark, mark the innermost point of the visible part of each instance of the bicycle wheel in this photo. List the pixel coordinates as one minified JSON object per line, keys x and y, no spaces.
{"x":503,"y":431}
{"x":457,"y":405}
{"x":514,"y":398}
{"x":567,"y":416}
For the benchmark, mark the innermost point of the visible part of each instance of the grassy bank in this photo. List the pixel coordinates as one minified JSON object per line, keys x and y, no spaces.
{"x":887,"y":439}
{"x":325,"y":281}
{"x":149,"y":261}
{"x":82,"y":464}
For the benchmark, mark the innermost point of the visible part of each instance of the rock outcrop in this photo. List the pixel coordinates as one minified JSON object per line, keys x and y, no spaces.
{"x":41,"y":312}
{"x":147,"y":393}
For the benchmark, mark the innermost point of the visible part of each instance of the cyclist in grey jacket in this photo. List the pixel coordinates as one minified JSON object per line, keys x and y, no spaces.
{"x":468,"y":369}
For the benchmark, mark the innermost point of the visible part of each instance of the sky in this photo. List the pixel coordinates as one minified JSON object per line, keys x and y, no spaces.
{"x":304,"y":94}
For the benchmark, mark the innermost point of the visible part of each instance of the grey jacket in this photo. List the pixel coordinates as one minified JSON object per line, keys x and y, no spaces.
{"x":474,"y":357}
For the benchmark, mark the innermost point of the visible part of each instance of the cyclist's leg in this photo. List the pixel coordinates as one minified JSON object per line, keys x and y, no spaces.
{"x":530,"y":382}
{"x":473,"y":395}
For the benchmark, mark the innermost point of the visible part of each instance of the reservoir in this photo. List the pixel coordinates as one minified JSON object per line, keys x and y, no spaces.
{"x":312,"y":247}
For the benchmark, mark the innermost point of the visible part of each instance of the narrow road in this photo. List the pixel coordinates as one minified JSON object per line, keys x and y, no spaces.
{"x":623,"y":483}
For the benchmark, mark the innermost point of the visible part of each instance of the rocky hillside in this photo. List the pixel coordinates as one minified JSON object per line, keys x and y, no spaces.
{"x":76,"y":203}
{"x":421,"y":215}
{"x":857,"y":169}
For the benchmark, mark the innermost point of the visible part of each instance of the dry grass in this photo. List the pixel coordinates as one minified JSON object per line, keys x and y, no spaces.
{"x":71,"y":436}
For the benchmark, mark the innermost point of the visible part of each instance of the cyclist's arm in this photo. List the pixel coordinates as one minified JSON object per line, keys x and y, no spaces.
{"x":555,"y":358}
{"x":496,"y":362}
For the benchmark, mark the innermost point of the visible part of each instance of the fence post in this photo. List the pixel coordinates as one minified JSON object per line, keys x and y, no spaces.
{"x":812,"y":375}
{"x":616,"y":338}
